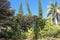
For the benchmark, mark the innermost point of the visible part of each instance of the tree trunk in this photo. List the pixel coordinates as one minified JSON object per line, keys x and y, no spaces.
{"x":56,"y":19}
{"x":52,"y":20}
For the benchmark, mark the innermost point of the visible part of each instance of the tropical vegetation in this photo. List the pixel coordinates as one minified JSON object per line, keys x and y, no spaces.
{"x":29,"y":27}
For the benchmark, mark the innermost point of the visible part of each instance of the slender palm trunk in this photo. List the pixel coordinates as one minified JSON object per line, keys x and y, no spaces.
{"x":51,"y":20}
{"x":56,"y":19}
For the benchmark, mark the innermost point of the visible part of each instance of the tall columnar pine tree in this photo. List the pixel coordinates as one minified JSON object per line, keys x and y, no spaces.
{"x":28,"y":8}
{"x":40,"y":8}
{"x":38,"y":21}
{"x":36,"y":28}
{"x":21,"y":8}
{"x":39,"y":24}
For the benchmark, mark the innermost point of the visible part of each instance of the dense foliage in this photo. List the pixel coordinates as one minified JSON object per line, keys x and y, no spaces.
{"x":25,"y":26}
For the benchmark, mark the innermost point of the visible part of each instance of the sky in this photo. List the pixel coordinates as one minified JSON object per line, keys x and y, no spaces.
{"x":15,"y":4}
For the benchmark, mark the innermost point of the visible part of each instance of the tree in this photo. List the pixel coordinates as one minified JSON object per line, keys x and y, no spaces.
{"x":4,"y":4}
{"x":39,"y":24}
{"x":5,"y":9}
{"x":21,"y":9}
{"x":6,"y":15}
{"x":53,"y":11}
{"x":28,"y":8}
{"x":40,"y":8}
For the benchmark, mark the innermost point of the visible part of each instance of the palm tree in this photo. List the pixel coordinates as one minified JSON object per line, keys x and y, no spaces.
{"x":53,"y":10}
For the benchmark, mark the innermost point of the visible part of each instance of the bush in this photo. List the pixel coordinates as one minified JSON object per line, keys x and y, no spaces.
{"x":24,"y":35}
{"x":49,"y":30}
{"x":31,"y":33}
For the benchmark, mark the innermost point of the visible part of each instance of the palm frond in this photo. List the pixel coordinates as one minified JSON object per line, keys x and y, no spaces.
{"x":48,"y":11}
{"x":58,"y":6}
{"x":51,"y":4}
{"x":49,"y":14}
{"x":58,"y":11}
{"x":50,"y":7}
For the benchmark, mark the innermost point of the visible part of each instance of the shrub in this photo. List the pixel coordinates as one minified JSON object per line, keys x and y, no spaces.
{"x":49,"y":30}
